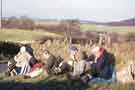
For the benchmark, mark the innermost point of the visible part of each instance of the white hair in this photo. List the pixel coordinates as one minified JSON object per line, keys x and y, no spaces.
{"x":23,"y":49}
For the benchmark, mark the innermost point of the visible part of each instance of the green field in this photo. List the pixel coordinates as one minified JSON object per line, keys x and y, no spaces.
{"x":22,"y":35}
{"x":117,"y":29}
{"x":28,"y":35}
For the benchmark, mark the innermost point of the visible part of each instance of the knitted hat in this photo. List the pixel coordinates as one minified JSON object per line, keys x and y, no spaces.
{"x":73,"y":49}
{"x":23,"y":49}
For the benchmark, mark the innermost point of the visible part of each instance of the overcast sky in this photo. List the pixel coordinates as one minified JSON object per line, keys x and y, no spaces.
{"x":97,"y":10}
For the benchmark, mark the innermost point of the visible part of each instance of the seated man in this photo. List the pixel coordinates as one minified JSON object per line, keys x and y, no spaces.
{"x":75,"y":68}
{"x":51,"y":62}
{"x":100,"y":66}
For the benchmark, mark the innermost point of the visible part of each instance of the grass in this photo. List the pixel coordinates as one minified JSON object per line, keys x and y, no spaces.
{"x":59,"y":83}
{"x":22,"y":35}
{"x":45,"y":82}
{"x":28,"y":35}
{"x":117,"y":29}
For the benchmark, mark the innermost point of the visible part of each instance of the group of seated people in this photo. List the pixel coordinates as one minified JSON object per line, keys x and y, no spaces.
{"x":78,"y":67}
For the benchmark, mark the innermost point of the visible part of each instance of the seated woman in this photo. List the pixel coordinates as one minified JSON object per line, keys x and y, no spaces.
{"x":21,"y":62}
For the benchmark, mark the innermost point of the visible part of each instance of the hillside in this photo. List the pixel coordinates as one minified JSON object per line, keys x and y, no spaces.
{"x":122,"y":52}
{"x":21,"y":35}
{"x":126,"y":22}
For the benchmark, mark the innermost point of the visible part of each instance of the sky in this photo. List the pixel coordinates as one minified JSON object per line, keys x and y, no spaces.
{"x":95,"y":10}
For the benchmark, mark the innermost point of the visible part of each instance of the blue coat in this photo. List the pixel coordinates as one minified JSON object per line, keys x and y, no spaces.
{"x":102,"y":68}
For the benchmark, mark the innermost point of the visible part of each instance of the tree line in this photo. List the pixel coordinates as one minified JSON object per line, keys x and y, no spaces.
{"x":25,"y":22}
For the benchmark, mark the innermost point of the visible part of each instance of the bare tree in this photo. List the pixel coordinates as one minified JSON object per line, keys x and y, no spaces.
{"x":70,"y":26}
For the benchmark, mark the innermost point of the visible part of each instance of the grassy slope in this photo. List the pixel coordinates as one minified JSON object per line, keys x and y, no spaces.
{"x":121,"y":29}
{"x":44,"y":82}
{"x":21,"y":35}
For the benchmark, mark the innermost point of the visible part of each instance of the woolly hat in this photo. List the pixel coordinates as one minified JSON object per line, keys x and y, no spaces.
{"x":23,"y":49}
{"x":73,"y":49}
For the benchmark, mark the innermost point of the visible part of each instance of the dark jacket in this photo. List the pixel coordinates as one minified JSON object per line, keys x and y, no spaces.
{"x":52,"y":63}
{"x":33,"y":61}
{"x":102,"y":68}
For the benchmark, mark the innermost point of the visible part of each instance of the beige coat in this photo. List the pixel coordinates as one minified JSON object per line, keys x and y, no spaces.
{"x":22,"y":58}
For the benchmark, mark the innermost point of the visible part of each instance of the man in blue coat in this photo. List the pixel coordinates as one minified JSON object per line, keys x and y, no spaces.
{"x":101,"y":65}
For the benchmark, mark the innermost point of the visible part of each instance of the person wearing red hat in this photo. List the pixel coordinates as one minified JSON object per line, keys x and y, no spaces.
{"x":100,"y":65}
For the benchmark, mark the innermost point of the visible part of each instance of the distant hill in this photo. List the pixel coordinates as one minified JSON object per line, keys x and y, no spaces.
{"x":127,"y":22}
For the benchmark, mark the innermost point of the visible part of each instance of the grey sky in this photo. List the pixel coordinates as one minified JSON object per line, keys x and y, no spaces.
{"x":97,"y":10}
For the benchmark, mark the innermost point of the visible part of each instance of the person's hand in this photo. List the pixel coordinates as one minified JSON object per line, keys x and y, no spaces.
{"x":91,"y":62}
{"x":15,"y":58}
{"x":61,"y":64}
{"x":70,"y":63}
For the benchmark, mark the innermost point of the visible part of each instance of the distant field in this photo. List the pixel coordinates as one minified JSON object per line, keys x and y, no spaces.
{"x":118,"y":29}
{"x":22,"y":35}
{"x":28,"y":35}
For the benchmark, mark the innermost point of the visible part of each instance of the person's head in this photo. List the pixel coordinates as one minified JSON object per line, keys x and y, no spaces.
{"x":73,"y":51}
{"x":97,"y":51}
{"x":23,"y":49}
{"x":79,"y":56}
{"x":46,"y":54}
{"x":29,"y":49}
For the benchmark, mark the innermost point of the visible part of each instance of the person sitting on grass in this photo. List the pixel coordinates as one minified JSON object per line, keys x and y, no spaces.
{"x":74,"y":68}
{"x":33,"y":60}
{"x":36,"y":70}
{"x":47,"y":65}
{"x":21,"y":63}
{"x":100,"y":66}
{"x":51,"y":62}
{"x":35,"y":63}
